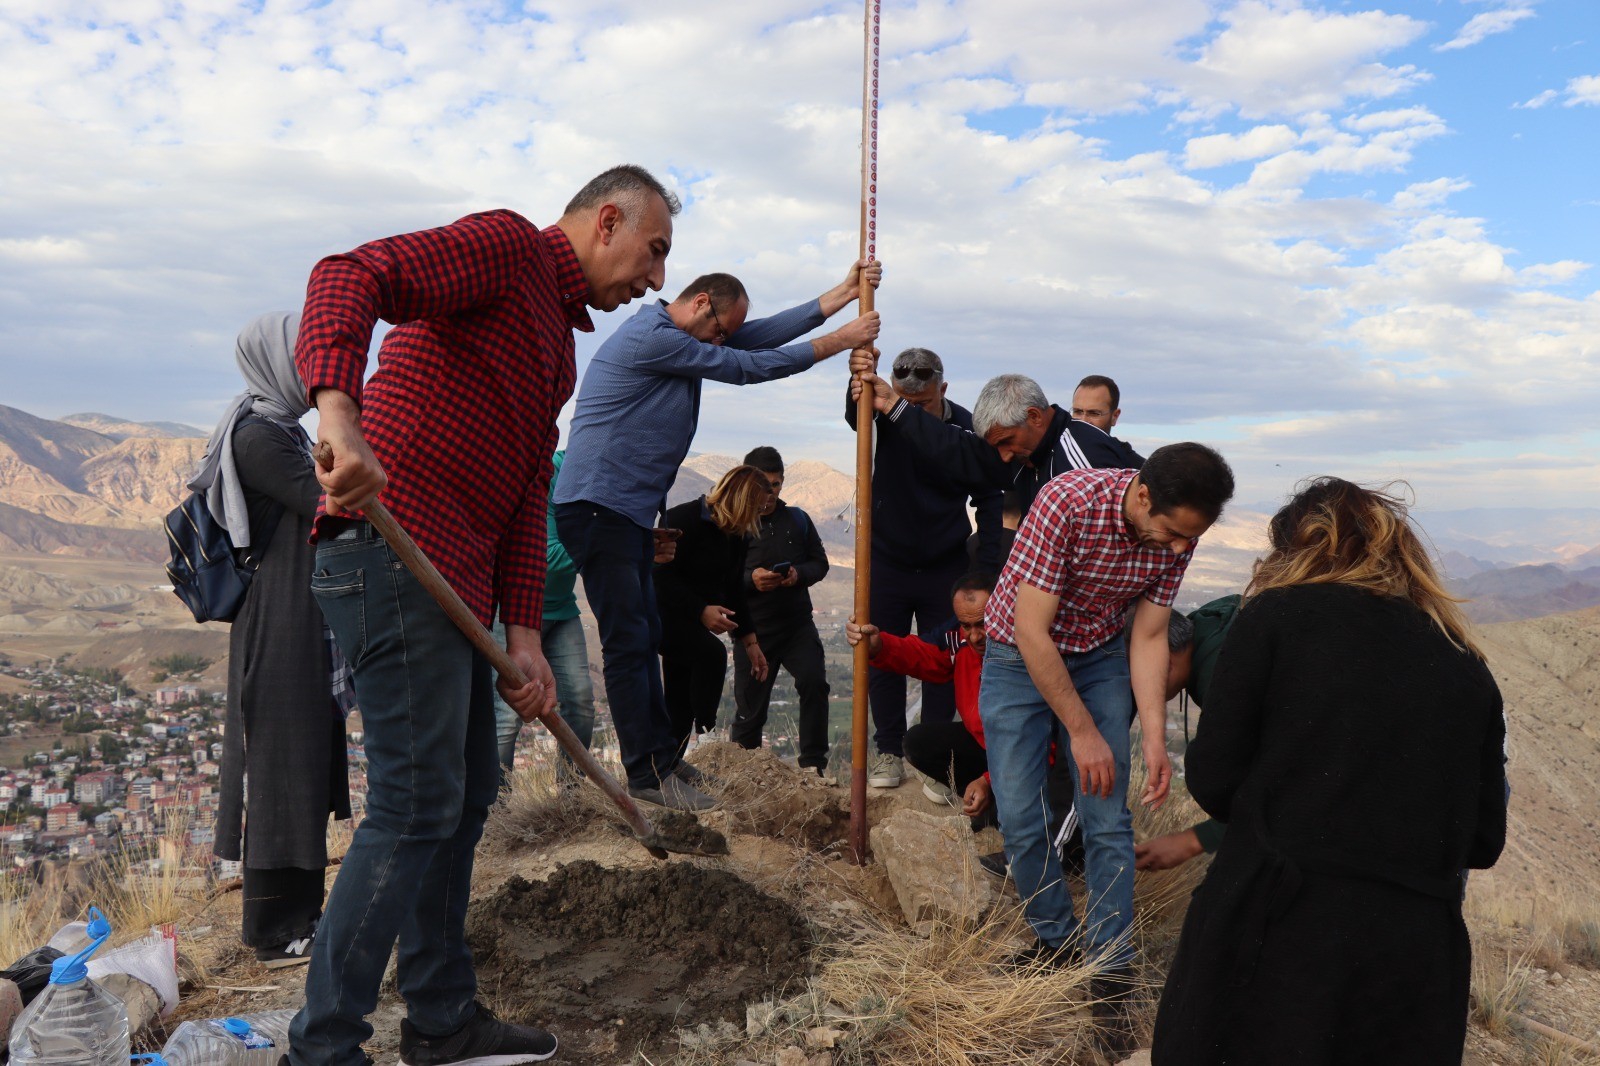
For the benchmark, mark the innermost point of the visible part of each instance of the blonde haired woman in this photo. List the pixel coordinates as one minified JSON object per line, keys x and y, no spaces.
{"x":1353,"y":743}
{"x":700,"y":595}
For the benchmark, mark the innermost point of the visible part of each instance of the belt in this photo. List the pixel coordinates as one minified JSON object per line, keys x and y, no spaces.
{"x":341,"y":529}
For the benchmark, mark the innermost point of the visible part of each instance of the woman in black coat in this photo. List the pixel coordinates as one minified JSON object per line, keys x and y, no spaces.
{"x":283,"y":745}
{"x":700,"y":596}
{"x":1353,"y":741}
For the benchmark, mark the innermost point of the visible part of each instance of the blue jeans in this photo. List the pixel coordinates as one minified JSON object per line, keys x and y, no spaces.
{"x":1017,"y":725}
{"x":616,"y":557}
{"x":427,"y":709}
{"x":569,"y":661}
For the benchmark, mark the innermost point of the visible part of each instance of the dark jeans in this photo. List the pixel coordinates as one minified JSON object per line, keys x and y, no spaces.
{"x":694,"y":662}
{"x":427,"y":708}
{"x":898,"y":595}
{"x":280,"y":905}
{"x":615,"y":558}
{"x":946,"y":752}
{"x":798,"y":650}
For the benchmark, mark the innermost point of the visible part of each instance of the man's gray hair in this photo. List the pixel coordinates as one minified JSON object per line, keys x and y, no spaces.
{"x":626,"y":186}
{"x":1004,"y":402}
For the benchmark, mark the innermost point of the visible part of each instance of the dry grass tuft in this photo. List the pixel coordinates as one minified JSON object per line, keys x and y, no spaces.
{"x":536,"y":811}
{"x":945,"y":999}
{"x":1501,"y":987}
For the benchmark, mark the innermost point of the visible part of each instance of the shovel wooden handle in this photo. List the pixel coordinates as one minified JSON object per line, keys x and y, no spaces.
{"x":428,"y":577}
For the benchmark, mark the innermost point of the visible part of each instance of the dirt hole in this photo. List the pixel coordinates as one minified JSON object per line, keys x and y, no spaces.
{"x":614,"y":960}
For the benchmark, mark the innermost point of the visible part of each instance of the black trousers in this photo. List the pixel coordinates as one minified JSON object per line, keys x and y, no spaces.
{"x":694,"y":662}
{"x":898,"y":596}
{"x":280,"y":905}
{"x":798,"y":650}
{"x":946,"y":752}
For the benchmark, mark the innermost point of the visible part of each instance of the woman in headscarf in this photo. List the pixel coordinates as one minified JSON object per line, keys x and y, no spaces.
{"x":700,"y":596}
{"x":283,"y":758}
{"x":1352,"y":740}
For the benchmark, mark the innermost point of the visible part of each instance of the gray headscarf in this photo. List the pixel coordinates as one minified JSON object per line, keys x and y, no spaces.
{"x":265,"y":354}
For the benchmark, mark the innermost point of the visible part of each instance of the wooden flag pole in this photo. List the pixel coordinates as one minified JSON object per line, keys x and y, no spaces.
{"x":864,"y":417}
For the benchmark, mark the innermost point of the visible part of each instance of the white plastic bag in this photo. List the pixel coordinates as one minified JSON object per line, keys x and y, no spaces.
{"x":152,"y":959}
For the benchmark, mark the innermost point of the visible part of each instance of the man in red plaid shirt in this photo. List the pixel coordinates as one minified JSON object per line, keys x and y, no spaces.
{"x":1093,"y":542}
{"x":462,"y":416}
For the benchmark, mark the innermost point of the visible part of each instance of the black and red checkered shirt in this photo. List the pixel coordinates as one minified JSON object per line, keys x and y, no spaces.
{"x":462,"y":411}
{"x":1074,"y":543}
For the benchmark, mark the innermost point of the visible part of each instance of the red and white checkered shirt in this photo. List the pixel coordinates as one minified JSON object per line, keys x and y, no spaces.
{"x":462,"y":411}
{"x":1074,"y":543}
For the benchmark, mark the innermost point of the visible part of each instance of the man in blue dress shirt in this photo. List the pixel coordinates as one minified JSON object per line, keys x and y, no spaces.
{"x":636,"y":416}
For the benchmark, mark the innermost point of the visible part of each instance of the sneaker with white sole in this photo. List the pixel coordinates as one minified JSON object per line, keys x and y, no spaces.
{"x":937,"y":791}
{"x":294,"y":953}
{"x":484,"y":1041}
{"x":887,"y":771}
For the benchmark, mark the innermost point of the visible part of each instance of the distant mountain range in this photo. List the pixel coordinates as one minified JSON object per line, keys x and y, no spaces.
{"x":96,"y":485}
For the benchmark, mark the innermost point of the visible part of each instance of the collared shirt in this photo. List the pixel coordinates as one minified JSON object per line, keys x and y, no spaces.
{"x":1075,"y":543}
{"x":462,"y":410}
{"x":640,"y":402}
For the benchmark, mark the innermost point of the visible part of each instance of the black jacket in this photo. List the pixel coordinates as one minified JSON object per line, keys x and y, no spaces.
{"x":787,"y":536}
{"x":919,"y":510}
{"x":972,"y":463}
{"x":709,"y":568}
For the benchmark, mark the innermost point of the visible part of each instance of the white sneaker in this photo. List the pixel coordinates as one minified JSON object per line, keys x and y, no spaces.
{"x":887,"y":771}
{"x":937,"y":792}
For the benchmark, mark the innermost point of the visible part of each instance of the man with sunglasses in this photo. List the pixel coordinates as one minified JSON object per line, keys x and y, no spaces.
{"x":919,"y":549}
{"x":636,"y":415}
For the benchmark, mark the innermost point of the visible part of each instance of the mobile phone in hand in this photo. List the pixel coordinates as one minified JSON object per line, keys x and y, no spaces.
{"x":782,"y":569}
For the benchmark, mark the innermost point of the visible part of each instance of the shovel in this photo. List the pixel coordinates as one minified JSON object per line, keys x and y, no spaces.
{"x":399,"y":541}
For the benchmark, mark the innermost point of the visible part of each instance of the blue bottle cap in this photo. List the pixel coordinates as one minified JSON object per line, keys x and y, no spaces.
{"x":237,"y":1026}
{"x":72,"y":969}
{"x":69,"y":969}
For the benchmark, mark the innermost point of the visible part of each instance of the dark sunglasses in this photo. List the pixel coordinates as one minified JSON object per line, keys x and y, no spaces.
{"x":923,"y":373}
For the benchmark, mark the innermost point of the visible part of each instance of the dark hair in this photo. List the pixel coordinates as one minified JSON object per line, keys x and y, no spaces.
{"x":1180,"y":631}
{"x":765,"y":458}
{"x":973,"y":581}
{"x":1094,"y":381}
{"x":621,"y":185}
{"x":724,"y":289}
{"x":1187,"y":475}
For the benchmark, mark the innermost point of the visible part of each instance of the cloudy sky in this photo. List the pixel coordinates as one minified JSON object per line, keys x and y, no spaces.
{"x":1343,"y":237}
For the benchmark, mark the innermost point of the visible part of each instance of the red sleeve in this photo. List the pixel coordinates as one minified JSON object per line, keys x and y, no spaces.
{"x":427,"y":274}
{"x":914,"y":657}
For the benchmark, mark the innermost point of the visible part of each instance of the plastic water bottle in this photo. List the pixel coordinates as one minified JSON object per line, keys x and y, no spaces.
{"x":241,"y":1041}
{"x":73,"y":1022}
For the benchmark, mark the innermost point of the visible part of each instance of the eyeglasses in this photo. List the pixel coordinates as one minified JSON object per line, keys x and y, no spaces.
{"x":722,"y":334}
{"x":922,"y":373}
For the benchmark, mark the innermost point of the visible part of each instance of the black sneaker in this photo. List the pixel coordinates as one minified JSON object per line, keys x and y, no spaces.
{"x":294,"y":953}
{"x":1111,"y":1001}
{"x":1042,"y":956}
{"x":484,"y":1041}
{"x":995,"y":864}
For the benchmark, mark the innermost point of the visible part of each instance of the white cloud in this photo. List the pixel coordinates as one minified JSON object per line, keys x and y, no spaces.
{"x":1548,"y":96}
{"x":1220,"y":149}
{"x":1487,"y":24}
{"x":1584,"y":90}
{"x":1284,"y":59}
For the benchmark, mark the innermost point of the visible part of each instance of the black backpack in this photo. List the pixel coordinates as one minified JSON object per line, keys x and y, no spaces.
{"x":208,"y":573}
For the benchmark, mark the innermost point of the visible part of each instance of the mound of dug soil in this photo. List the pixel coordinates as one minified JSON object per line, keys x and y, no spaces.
{"x":614,"y":960}
{"x":762,"y":795}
